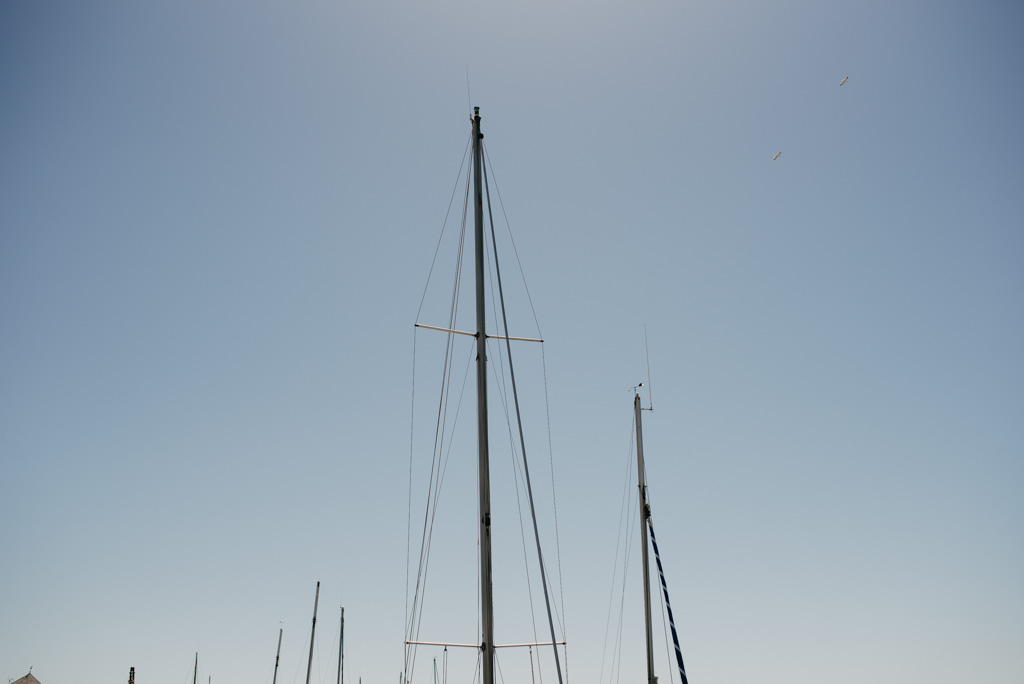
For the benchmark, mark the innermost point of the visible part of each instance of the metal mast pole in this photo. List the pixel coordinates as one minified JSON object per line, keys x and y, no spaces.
{"x":195,"y":672}
{"x":341,"y":646}
{"x":312,"y":634}
{"x":278,"y":658}
{"x":645,"y":511}
{"x":486,"y":597}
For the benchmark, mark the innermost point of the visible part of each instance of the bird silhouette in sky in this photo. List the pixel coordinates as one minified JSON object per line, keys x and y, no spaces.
{"x":776,"y":156}
{"x":845,"y":80}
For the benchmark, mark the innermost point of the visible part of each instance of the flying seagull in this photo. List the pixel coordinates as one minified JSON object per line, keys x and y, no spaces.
{"x":776,"y":156}
{"x":845,"y":80}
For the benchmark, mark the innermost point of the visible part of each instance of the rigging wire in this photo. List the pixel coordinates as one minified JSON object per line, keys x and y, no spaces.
{"x":435,"y":492}
{"x":414,"y":615}
{"x":191,"y":666}
{"x":298,"y":666}
{"x":517,"y":470}
{"x":630,"y":536}
{"x":508,"y":225}
{"x":522,"y":439}
{"x":408,"y":531}
{"x":554,"y":500}
{"x":432,"y":504}
{"x":499,"y":376}
{"x":497,"y":666}
{"x":437,"y":248}
{"x":623,"y":531}
{"x":547,"y":406}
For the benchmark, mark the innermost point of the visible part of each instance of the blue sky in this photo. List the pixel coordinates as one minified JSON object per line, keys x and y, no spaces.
{"x":216,"y":221}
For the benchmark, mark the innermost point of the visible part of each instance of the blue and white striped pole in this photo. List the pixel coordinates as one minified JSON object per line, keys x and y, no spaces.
{"x":668,"y":604}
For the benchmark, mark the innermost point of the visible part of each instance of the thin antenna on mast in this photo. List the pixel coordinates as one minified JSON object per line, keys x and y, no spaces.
{"x":650,"y":396}
{"x":469,"y":98}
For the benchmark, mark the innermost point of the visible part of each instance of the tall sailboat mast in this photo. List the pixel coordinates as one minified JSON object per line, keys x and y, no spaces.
{"x":195,"y":671}
{"x":645,"y":510}
{"x":486,"y":596}
{"x":277,"y":660}
{"x":341,"y":646}
{"x":312,"y":634}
